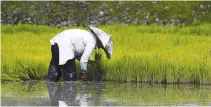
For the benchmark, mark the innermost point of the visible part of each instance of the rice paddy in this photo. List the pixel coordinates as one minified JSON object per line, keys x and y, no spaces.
{"x":141,"y":53}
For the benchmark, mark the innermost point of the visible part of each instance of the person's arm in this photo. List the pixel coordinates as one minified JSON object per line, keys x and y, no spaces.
{"x":86,"y":55}
{"x":89,"y":61}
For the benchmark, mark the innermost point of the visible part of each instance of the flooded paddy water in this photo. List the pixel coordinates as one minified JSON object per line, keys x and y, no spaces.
{"x":43,"y":93}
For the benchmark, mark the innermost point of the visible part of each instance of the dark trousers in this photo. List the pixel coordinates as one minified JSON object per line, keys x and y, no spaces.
{"x":68,"y":70}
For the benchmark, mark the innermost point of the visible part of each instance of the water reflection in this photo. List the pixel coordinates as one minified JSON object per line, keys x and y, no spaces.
{"x":67,"y":94}
{"x":42,"y":93}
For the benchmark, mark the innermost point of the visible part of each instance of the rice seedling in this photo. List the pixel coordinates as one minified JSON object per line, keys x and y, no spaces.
{"x":141,"y":53}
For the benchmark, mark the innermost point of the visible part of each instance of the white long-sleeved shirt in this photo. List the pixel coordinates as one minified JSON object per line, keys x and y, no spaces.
{"x":75,"y":42}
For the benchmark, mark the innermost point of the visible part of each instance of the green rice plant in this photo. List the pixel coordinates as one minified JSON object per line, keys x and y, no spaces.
{"x":95,"y":66}
{"x":141,"y":53}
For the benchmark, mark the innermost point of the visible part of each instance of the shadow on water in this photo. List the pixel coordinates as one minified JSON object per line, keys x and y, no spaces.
{"x":43,"y":93}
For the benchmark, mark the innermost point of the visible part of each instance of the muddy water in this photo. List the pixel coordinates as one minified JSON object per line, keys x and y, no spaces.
{"x":44,"y":93}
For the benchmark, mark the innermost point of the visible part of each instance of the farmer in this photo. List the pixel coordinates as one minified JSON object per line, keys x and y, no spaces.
{"x":76,"y":44}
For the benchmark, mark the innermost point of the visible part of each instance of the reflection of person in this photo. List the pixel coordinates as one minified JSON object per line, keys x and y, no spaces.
{"x":67,"y":96}
{"x":76,"y":44}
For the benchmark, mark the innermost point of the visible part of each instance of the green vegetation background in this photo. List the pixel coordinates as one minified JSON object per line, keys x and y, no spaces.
{"x":54,"y":12}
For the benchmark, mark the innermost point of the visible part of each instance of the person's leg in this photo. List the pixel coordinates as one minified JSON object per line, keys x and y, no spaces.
{"x":69,"y":71}
{"x":54,"y":71}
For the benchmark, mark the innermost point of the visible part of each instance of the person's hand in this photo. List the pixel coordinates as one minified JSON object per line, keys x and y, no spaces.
{"x":83,"y":76}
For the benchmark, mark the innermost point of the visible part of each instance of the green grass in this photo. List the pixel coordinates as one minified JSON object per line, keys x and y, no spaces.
{"x":141,"y":53}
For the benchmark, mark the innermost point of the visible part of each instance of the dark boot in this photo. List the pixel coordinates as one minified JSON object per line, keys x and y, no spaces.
{"x":54,"y":71}
{"x":69,"y":71}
